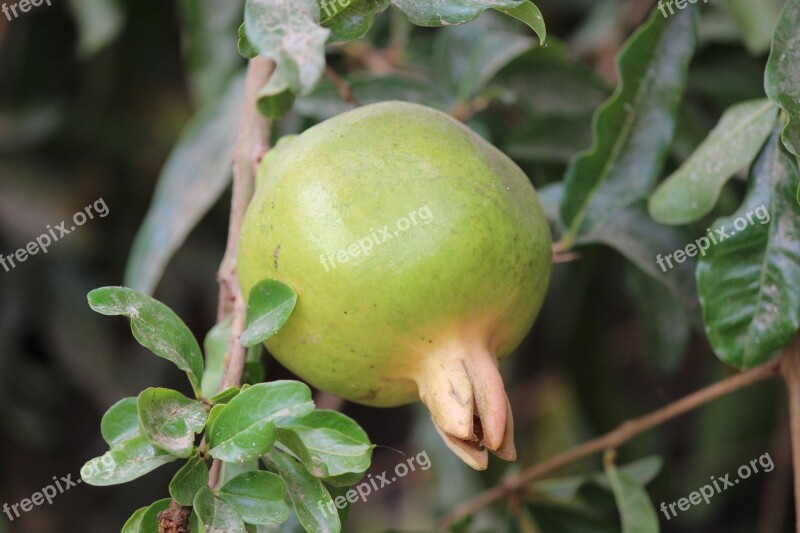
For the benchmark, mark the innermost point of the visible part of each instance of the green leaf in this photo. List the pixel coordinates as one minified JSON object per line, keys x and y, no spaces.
{"x":466,"y":58}
{"x":782,"y":78}
{"x":642,"y":471}
{"x":126,"y":462}
{"x":528,"y":13}
{"x":756,"y":21}
{"x":645,"y":243}
{"x":149,"y":520}
{"x":225,"y":396}
{"x":435,"y":13}
{"x":349,"y":19}
{"x":170,"y":420}
{"x":216,"y":515}
{"x":287,"y":32}
{"x":328,"y":443}
{"x":258,"y":497}
{"x":246,"y":48}
{"x":244,"y":428}
{"x":633,"y":129}
{"x":215,"y":346}
{"x":188,"y":480}
{"x":749,"y":283}
{"x":134,"y":523}
{"x":662,"y":320}
{"x":99,"y":23}
{"x":212,"y":57}
{"x":636,"y":510}
{"x":155,"y":326}
{"x":692,"y":191}
{"x":268,"y":308}
{"x":312,"y":502}
{"x":560,"y":518}
{"x":120,"y":423}
{"x":194,"y":177}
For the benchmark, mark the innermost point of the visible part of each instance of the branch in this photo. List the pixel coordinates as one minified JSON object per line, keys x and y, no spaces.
{"x":790,"y":368}
{"x":251,"y":145}
{"x":614,"y":439}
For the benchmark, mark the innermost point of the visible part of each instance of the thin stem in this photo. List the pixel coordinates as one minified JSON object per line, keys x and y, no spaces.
{"x":790,"y":368}
{"x":614,"y":439}
{"x":251,"y":145}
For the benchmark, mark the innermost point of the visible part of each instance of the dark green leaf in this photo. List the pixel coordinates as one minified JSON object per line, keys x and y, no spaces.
{"x":312,"y":502}
{"x":692,"y":191}
{"x":349,"y":19}
{"x":193,"y":178}
{"x":134,"y":523}
{"x":287,"y":32}
{"x":149,"y":520}
{"x":216,"y":515}
{"x":330,"y":443}
{"x":130,"y":460}
{"x":268,"y":308}
{"x":636,"y":510}
{"x":782,"y":80}
{"x":258,"y":497}
{"x":188,"y":480}
{"x":560,"y":518}
{"x":244,"y":428}
{"x":120,"y":423}
{"x":634,"y":128}
{"x":155,"y":326}
{"x":749,"y":282}
{"x":170,"y":420}
{"x":528,"y":13}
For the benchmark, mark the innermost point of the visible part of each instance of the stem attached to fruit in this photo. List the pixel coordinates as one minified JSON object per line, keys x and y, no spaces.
{"x":463,"y":390}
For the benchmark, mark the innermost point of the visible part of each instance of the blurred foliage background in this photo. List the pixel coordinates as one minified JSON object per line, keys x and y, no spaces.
{"x":94,"y":95}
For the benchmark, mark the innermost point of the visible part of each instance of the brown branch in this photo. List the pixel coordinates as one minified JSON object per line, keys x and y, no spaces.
{"x":614,"y":439}
{"x":251,"y":145}
{"x":790,"y":368}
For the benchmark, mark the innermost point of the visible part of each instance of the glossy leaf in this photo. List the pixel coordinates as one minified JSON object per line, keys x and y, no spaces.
{"x":194,"y":177}
{"x":216,"y":515}
{"x":268,"y":308}
{"x":155,"y":326}
{"x":528,"y":13}
{"x":244,"y":428}
{"x":120,"y":422}
{"x":692,"y":191}
{"x":188,"y":480}
{"x":258,"y":497}
{"x":149,"y":521}
{"x":133,"y":524}
{"x":749,"y":283}
{"x":330,"y":443}
{"x":633,"y":129}
{"x":782,"y":80}
{"x":215,"y":347}
{"x":312,"y":501}
{"x":288,"y":32}
{"x":130,"y":460}
{"x":349,"y":19}
{"x":636,"y":510}
{"x":170,"y":420}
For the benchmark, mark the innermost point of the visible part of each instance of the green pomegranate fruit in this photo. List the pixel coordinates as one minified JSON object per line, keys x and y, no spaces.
{"x":420,"y":256}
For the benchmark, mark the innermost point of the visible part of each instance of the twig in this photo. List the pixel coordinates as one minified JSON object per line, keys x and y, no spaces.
{"x":343,"y":86}
{"x":614,"y":439}
{"x":251,"y":145}
{"x":790,"y":368}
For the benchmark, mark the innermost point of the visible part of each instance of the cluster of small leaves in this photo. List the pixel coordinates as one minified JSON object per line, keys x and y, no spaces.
{"x":294,"y":34}
{"x":303,"y":450}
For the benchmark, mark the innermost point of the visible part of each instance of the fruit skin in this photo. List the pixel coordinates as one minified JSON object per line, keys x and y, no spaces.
{"x":463,"y":283}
